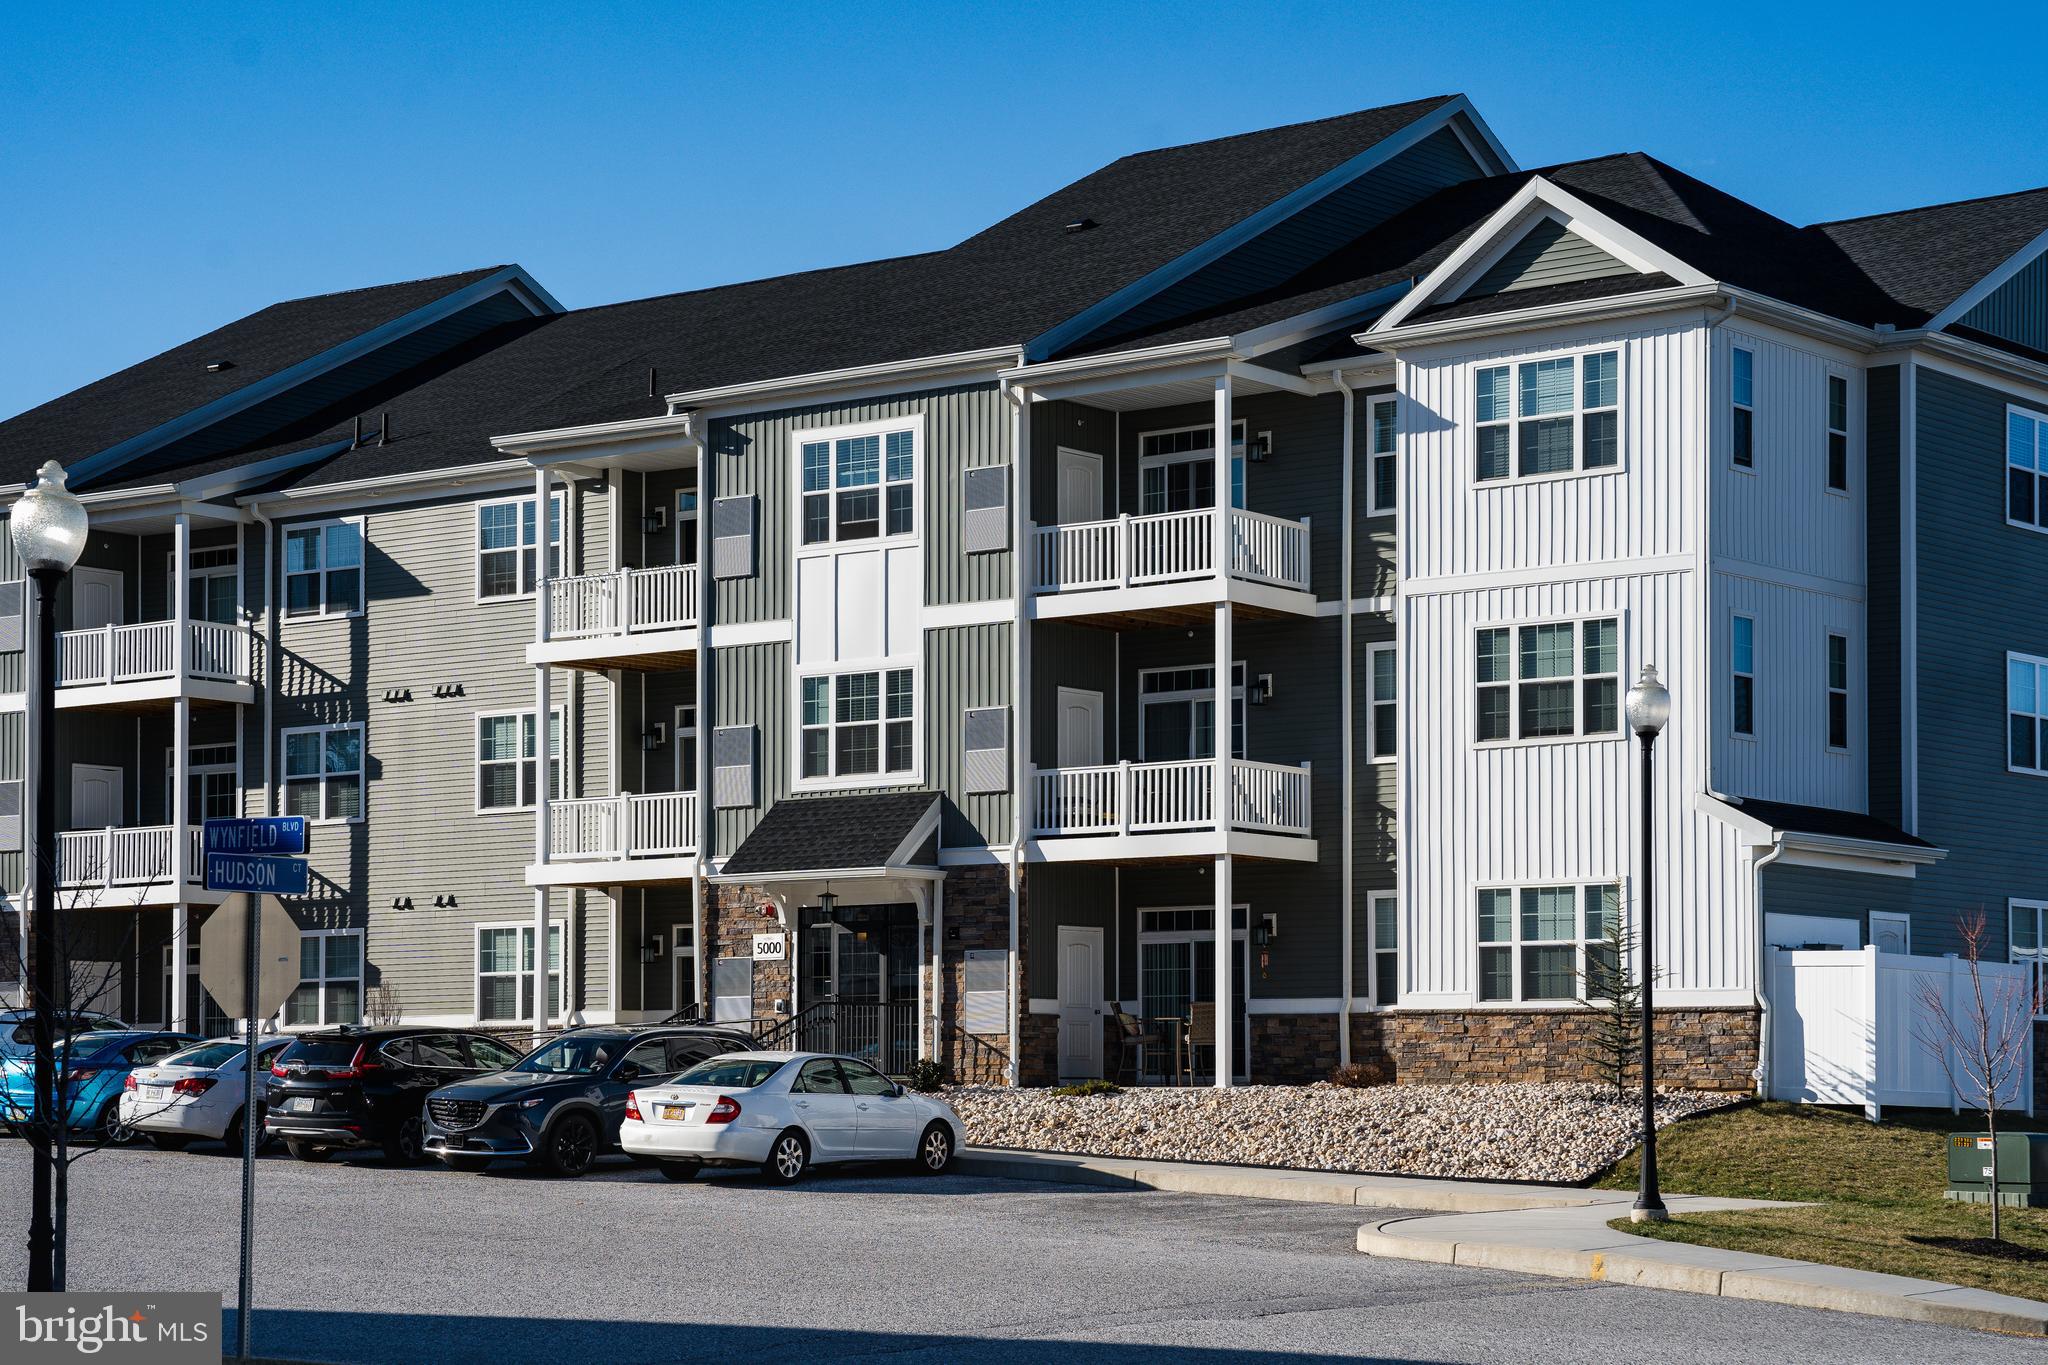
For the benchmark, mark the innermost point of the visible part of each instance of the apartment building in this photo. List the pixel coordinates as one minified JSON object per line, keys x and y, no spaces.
{"x":1205,"y":595}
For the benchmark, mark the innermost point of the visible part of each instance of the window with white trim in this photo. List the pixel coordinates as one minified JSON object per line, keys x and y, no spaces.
{"x":686,"y":526}
{"x":2026,"y":706}
{"x":1556,"y":415}
{"x":858,"y":724}
{"x":212,"y":584}
{"x":686,"y":747}
{"x":323,"y":772}
{"x":505,"y":536}
{"x":1537,"y":942}
{"x":1386,"y":948}
{"x":1838,"y":433}
{"x":330,"y":989}
{"x":1177,"y":469}
{"x":506,"y":769}
{"x":1554,"y":680}
{"x":2027,"y":944}
{"x":1382,"y":472}
{"x":2026,"y":468}
{"x":1742,"y":676}
{"x":504,"y":972}
{"x":323,"y":569}
{"x":213,"y":792}
{"x":1838,"y":691}
{"x":1382,"y":699}
{"x":1742,"y":408}
{"x":859,"y":487}
{"x":1177,"y":713}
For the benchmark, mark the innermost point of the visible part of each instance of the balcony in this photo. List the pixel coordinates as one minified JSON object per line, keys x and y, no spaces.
{"x":1163,"y":810}
{"x":1159,"y":569}
{"x":620,"y":840}
{"x":122,"y":868}
{"x":643,"y":619}
{"x":136,"y":667}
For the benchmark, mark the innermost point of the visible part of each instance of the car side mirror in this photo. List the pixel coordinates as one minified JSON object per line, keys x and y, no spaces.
{"x":896,"y":1092}
{"x":628,"y":1071}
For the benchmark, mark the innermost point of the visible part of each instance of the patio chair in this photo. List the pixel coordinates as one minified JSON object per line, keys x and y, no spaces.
{"x":1201,"y":1033}
{"x":1131,"y":1037}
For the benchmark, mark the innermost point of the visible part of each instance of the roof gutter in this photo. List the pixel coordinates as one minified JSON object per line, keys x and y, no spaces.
{"x":824,"y":382}
{"x":1118,"y":362}
{"x":1521,"y":319}
{"x":428,"y":478}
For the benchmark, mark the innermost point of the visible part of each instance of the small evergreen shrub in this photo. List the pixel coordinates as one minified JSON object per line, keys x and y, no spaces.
{"x":926,"y":1074}
{"x":1088,"y":1089}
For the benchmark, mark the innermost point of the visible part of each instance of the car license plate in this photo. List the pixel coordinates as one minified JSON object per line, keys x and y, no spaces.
{"x":675,"y":1113}
{"x":301,"y":1104}
{"x":155,"y":1094}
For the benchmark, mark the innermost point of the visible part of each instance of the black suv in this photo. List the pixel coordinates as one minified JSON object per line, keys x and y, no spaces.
{"x":362,"y":1087}
{"x":560,"y":1107}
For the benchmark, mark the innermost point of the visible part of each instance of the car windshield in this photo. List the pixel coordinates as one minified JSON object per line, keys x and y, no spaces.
{"x":210,"y":1055}
{"x":92,"y":1044}
{"x":731,"y":1073}
{"x":584,"y":1056}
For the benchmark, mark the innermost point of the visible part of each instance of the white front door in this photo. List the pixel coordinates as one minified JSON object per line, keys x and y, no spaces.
{"x":1080,"y":486}
{"x":1080,"y":978}
{"x":1891,"y":932}
{"x":1080,"y":727}
{"x":96,"y":598}
{"x":95,"y":796}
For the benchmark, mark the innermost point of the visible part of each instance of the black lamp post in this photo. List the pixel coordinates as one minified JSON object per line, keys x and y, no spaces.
{"x":1649,"y":708}
{"x":48,"y":525}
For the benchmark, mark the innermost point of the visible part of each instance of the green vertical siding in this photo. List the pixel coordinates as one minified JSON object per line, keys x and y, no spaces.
{"x":2018,"y":309}
{"x":750,"y":686}
{"x":965,"y":666}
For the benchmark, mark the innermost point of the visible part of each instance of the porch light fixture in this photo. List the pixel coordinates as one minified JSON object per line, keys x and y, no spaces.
{"x":828,"y":905}
{"x":653,"y":522}
{"x":1261,"y":690}
{"x":653,"y":737}
{"x":1259,"y":447}
{"x":1648,"y":707}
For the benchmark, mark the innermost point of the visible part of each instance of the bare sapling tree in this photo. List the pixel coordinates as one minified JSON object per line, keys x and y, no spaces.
{"x":1983,"y":1039}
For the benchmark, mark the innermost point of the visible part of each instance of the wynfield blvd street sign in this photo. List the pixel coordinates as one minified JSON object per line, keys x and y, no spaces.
{"x":242,"y":855}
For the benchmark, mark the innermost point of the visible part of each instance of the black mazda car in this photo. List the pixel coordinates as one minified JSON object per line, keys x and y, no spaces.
{"x":560,"y":1106}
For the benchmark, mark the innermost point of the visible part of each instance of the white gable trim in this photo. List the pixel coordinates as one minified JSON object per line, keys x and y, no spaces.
{"x":1989,"y":285}
{"x":1086,"y":321}
{"x":1495,"y":237}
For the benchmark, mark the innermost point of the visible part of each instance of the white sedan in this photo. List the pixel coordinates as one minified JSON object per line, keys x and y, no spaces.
{"x":195,"y":1093}
{"x":785,"y":1112}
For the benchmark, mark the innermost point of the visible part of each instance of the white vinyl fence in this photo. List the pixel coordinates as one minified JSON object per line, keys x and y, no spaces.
{"x":1845,"y":1029}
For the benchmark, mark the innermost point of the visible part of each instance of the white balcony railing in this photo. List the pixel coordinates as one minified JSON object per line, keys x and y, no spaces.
{"x":622,"y":602}
{"x":1139,"y":798}
{"x":138,"y":653}
{"x":135,"y":856}
{"x":663,"y":825}
{"x":1162,"y":547}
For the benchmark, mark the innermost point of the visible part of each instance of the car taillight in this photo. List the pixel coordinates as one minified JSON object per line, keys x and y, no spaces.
{"x":277,"y":1070}
{"x":193,"y":1085}
{"x":362,"y":1062}
{"x":129,"y":1084}
{"x":725,"y":1111}
{"x":633,"y":1108}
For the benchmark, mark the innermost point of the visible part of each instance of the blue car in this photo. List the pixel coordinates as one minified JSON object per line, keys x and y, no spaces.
{"x":91,"y":1071}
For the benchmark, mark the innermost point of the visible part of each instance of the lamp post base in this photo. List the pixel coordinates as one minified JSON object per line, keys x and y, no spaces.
{"x":1655,"y":1214}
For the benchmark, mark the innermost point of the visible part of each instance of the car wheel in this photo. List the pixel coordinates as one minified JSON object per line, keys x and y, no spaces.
{"x":935,"y":1150}
{"x":168,"y":1142}
{"x":231,"y":1140}
{"x":469,"y":1165}
{"x":680,"y":1170}
{"x":111,"y":1132}
{"x":570,"y":1146}
{"x":305,"y":1151}
{"x":788,"y":1158}
{"x":407,"y":1142}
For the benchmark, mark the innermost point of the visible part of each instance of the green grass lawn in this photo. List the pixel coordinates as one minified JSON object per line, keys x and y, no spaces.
{"x":1875,"y":1189}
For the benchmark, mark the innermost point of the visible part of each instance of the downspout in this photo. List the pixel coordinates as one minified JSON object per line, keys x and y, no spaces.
{"x":700,"y":684}
{"x":269,"y":660}
{"x":1020,"y":709}
{"x":1345,"y":897}
{"x":1763,"y":995}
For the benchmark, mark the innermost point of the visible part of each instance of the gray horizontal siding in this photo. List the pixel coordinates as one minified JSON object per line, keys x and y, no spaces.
{"x":1828,"y":892}
{"x":2018,"y":309}
{"x":1881,"y":446}
{"x":1549,"y":253}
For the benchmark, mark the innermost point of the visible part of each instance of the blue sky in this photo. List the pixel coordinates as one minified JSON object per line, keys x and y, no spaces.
{"x":166,"y":169}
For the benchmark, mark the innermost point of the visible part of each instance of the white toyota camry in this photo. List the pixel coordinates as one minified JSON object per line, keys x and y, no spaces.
{"x":785,"y":1112}
{"x":196,"y":1093}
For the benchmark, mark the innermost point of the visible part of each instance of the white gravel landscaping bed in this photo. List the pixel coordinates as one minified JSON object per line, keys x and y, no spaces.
{"x":1563,"y":1132}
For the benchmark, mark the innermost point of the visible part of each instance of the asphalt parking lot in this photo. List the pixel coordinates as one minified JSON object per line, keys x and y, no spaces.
{"x":360,"y":1263}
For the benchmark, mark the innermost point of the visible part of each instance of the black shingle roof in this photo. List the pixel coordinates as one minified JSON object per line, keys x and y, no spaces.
{"x":826,"y":833}
{"x":1823,"y":820}
{"x":1927,"y":258}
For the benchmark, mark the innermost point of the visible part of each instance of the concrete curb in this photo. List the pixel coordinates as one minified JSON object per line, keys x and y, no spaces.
{"x":1681,"y":1266}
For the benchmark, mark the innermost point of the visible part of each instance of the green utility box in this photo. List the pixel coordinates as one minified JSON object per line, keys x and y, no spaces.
{"x":2022,"y":1169}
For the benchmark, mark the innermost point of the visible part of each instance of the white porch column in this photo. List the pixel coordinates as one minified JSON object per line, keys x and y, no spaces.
{"x":938,"y":965}
{"x":543,"y":711}
{"x":178,"y":1009}
{"x":921,"y":896}
{"x":1222,"y":527}
{"x":1220,"y":808}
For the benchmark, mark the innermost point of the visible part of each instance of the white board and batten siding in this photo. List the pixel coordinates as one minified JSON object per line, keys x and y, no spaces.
{"x":1624,"y":544}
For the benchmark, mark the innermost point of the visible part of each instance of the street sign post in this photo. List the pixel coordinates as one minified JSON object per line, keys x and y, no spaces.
{"x":243,"y":855}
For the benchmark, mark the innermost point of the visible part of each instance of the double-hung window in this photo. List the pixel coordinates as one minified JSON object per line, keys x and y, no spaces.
{"x":1386,"y":717}
{"x":1552,"y":681}
{"x":1538,"y":942}
{"x":1177,"y":713}
{"x":214,"y":792}
{"x":1742,"y":408}
{"x":1383,"y":474}
{"x":212,"y":585}
{"x":686,"y":747}
{"x":1557,"y":415}
{"x":859,"y":724}
{"x":1838,"y":433}
{"x":2027,"y":944}
{"x":1177,"y":469}
{"x":323,"y":569}
{"x":323,"y":772}
{"x":2026,"y":705}
{"x":506,"y":768}
{"x":2026,"y":468}
{"x":1742,"y":675}
{"x":505,"y":544}
{"x":504,"y":972}
{"x":859,"y":487}
{"x":1838,"y":691}
{"x":330,"y":989}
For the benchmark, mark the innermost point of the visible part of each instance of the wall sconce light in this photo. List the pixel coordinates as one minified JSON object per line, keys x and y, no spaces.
{"x":398,"y":694}
{"x":654,"y":522}
{"x":653,"y":737}
{"x":401,"y":902}
{"x":650,"y":951}
{"x":1259,"y":447}
{"x":445,"y":902}
{"x":448,"y":689}
{"x":1261,"y":690}
{"x":1267,"y":929}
